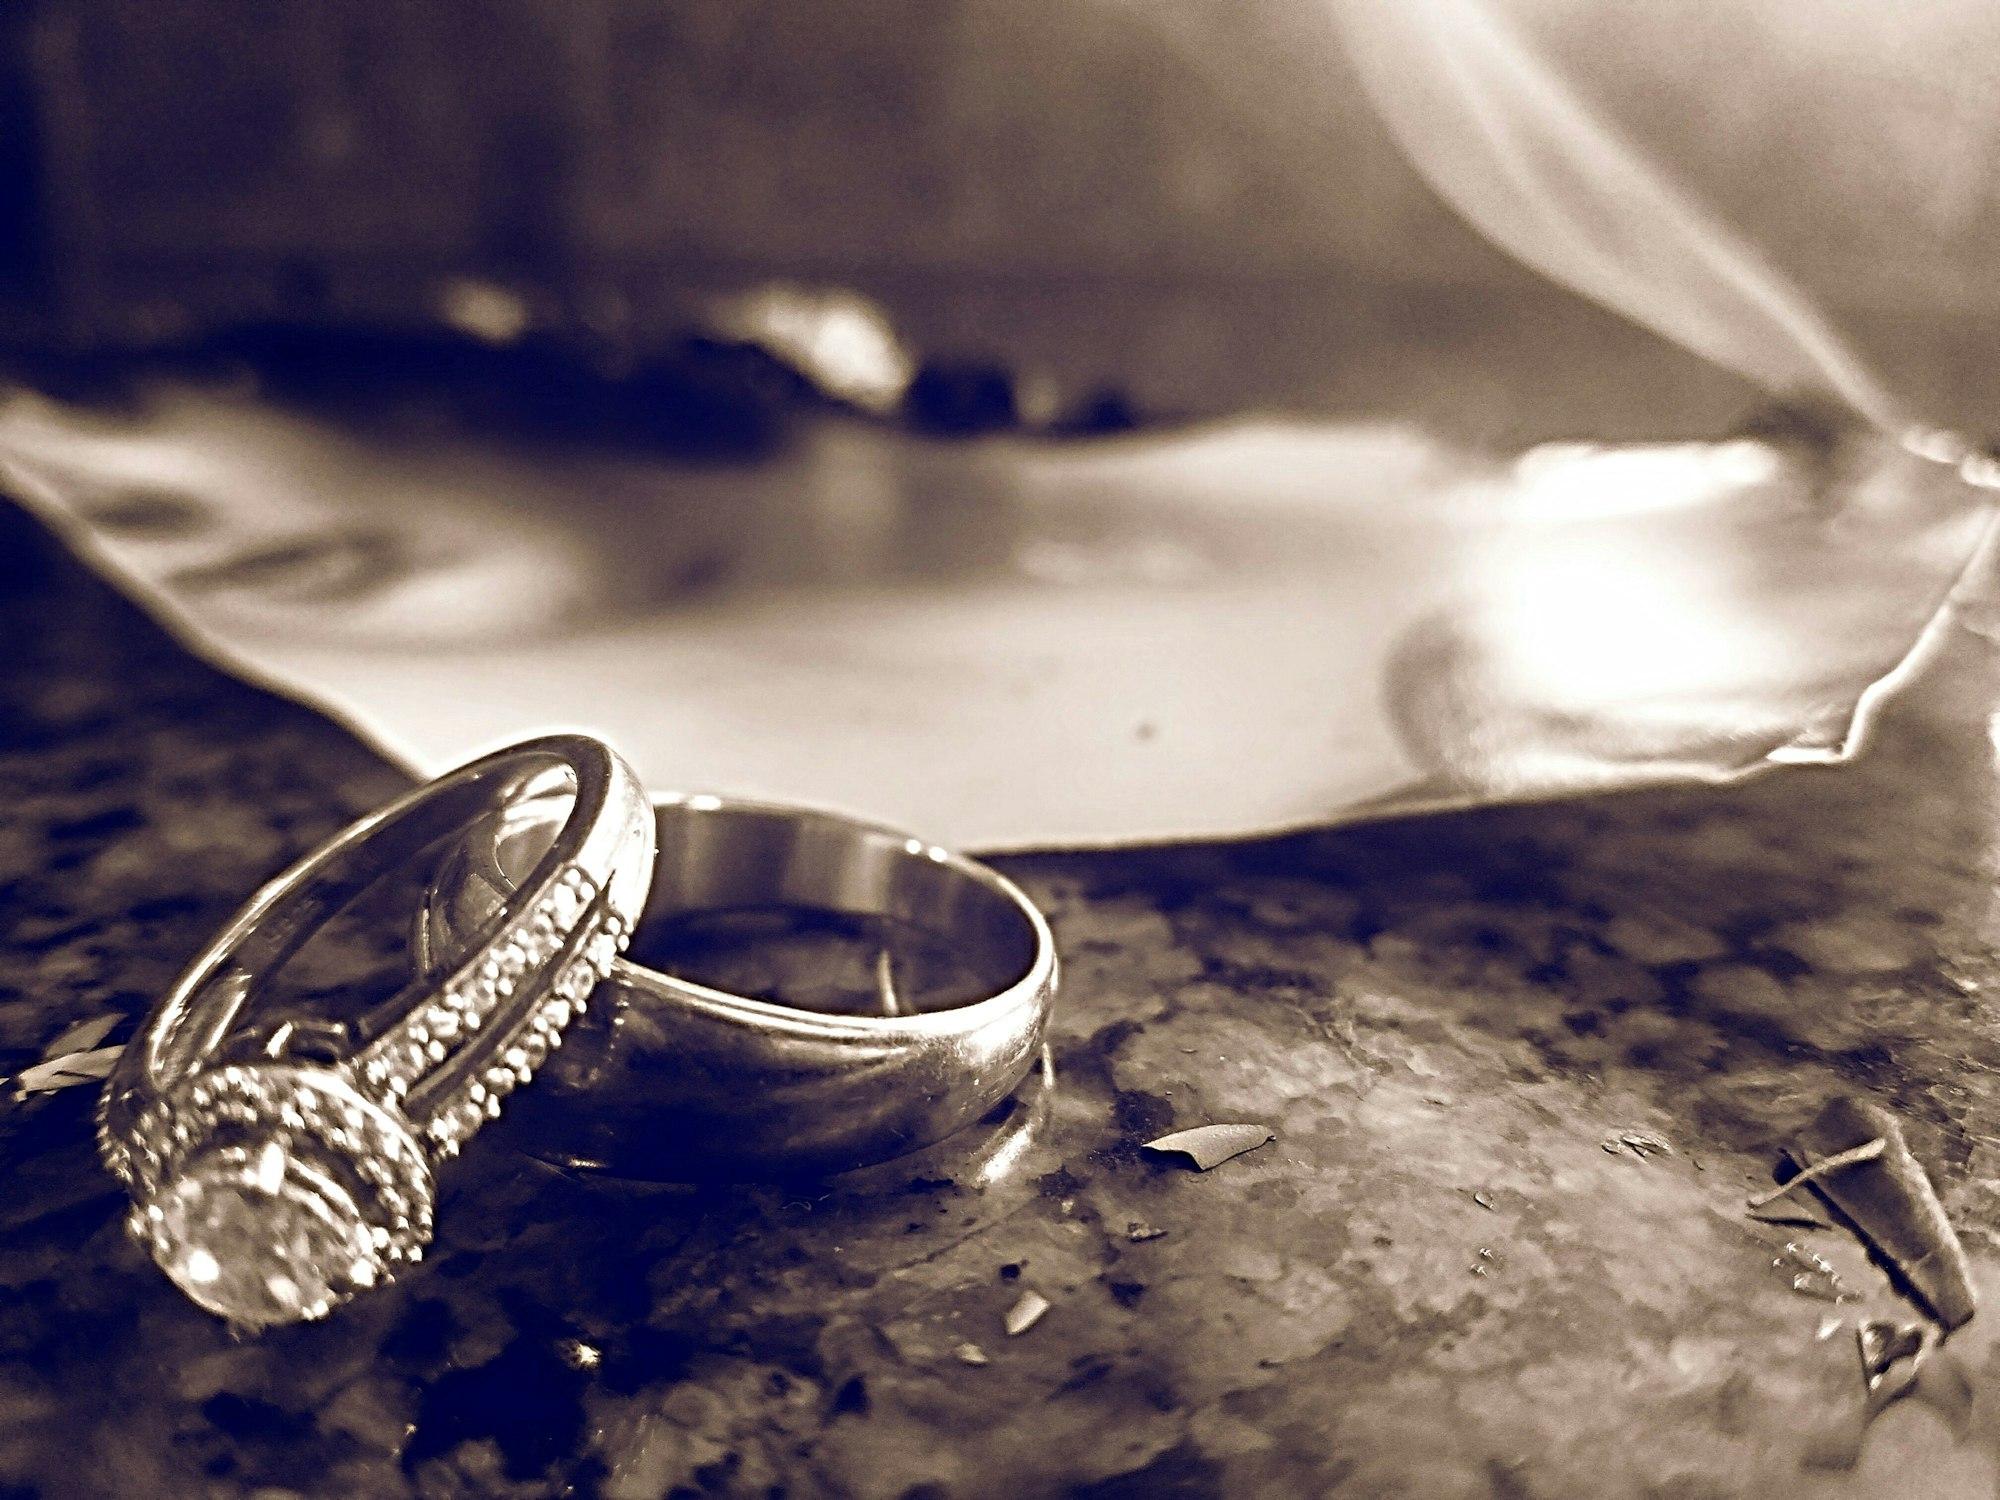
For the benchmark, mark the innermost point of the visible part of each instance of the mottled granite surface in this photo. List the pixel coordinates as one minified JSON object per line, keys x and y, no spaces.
{"x":1445,"y":1277}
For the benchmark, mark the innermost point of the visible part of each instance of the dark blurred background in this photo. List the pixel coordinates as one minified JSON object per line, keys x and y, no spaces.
{"x":1031,"y":190}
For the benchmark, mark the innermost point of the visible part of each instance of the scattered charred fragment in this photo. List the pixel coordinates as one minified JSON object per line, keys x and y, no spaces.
{"x":1887,"y":1198}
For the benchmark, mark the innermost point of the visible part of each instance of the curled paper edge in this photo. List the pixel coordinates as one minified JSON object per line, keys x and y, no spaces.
{"x":1437,"y":793}
{"x":1806,"y":749}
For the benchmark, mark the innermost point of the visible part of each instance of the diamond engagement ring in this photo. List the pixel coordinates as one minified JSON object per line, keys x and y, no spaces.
{"x":278,"y":1163}
{"x":676,"y":1079}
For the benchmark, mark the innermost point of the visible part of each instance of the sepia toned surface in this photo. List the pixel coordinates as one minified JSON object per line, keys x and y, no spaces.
{"x":1448,"y":1275}
{"x":1521,"y":1068}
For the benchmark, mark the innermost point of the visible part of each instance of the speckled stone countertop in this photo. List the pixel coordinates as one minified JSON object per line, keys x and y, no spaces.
{"x":1444,"y":1278}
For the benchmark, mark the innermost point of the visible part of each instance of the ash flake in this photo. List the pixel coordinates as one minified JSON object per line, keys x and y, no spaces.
{"x":1210,"y":1146}
{"x":1025,"y":1313}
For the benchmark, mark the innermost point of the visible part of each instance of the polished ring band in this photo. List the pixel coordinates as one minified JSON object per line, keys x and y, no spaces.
{"x":676,"y":1079}
{"x":279,"y":1163}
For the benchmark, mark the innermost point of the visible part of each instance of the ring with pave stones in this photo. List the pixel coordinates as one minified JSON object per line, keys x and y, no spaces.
{"x":279,"y":1164}
{"x":677,"y":1079}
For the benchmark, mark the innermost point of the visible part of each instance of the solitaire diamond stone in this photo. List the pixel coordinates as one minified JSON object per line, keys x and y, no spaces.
{"x":260,"y":1242}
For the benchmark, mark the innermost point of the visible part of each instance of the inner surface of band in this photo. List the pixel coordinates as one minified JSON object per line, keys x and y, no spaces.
{"x":683,"y":1078}
{"x":713,"y":855}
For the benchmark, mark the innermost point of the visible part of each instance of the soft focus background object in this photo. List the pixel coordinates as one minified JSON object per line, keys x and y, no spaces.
{"x":1019,"y":642}
{"x":1116,"y":192}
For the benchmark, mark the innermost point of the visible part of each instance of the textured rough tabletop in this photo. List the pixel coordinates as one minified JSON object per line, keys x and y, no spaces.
{"x":1523,"y":1068}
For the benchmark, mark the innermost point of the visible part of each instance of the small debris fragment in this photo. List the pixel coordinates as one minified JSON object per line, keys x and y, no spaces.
{"x":1812,"y":1273}
{"x":1892,"y":1361}
{"x":1801,"y":1213}
{"x":971,"y":1354}
{"x":1898,"y":1360}
{"x":1638,"y":1143}
{"x":1828,"y":1327}
{"x":1026,"y":1313}
{"x":1211,"y":1145}
{"x":1866,"y":1151}
{"x":1881,"y":1344}
{"x":68,"y":1070}
{"x":73,"y":1057}
{"x":1138,"y":1231}
{"x":1479,"y":1267}
{"x":1482,"y":1200}
{"x":83,"y":1036}
{"x":1889,"y":1200}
